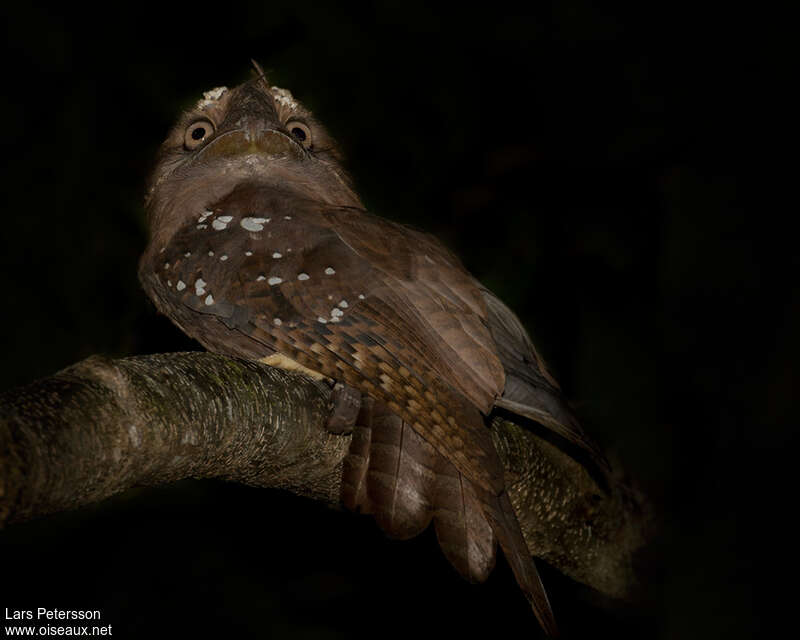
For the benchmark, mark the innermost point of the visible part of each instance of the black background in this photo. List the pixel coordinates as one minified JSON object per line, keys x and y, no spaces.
{"x":602,"y":169}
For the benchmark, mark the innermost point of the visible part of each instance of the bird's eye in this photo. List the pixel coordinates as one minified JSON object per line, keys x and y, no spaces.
{"x":300,"y":132}
{"x":197,"y":133}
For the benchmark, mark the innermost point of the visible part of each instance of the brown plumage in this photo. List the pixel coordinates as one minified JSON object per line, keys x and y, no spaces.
{"x":259,"y":245}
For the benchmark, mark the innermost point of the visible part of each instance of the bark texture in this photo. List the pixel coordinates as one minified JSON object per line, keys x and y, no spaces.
{"x":102,"y":426}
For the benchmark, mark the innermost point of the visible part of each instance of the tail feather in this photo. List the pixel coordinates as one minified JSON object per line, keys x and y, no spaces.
{"x":390,"y":472}
{"x":394,"y":474}
{"x":401,"y":477}
{"x":464,"y":535}
{"x":501,"y":516}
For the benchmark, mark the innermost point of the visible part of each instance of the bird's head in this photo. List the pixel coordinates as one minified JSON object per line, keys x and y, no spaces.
{"x":254,"y":132}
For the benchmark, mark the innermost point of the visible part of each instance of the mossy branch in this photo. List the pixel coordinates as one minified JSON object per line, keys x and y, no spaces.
{"x":102,"y":426}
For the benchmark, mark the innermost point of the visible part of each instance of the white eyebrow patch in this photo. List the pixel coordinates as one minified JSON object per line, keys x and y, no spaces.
{"x":211,"y":96}
{"x":254,"y":224}
{"x":215,"y":93}
{"x":274,"y":280}
{"x":283,"y":97}
{"x":303,"y":276}
{"x":329,"y":271}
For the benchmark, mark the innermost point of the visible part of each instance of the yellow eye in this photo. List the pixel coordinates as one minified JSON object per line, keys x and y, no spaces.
{"x":197,"y":133}
{"x":300,"y":132}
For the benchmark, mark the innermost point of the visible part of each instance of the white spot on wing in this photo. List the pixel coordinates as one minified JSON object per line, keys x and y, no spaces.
{"x":343,"y":304}
{"x":210,"y":254}
{"x":322,"y":320}
{"x":223,"y":258}
{"x":277,"y":322}
{"x":361,"y":296}
{"x":209,"y":300}
{"x":202,"y":226}
{"x":188,"y":254}
{"x":277,"y":255}
{"x":274,"y":280}
{"x":303,"y":276}
{"x":248,"y":253}
{"x":260,"y":278}
{"x":181,"y":285}
{"x":336,"y":312}
{"x":200,"y":286}
{"x":225,"y":219}
{"x":219,"y":224}
{"x":136,"y":438}
{"x":329,"y":271}
{"x":254,"y":224}
{"x":287,"y":217}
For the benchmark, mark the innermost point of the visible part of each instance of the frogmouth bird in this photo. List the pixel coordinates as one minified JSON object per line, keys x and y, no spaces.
{"x":260,"y":248}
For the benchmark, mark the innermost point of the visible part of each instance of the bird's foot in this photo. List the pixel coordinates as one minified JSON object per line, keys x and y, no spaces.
{"x":345,"y":403}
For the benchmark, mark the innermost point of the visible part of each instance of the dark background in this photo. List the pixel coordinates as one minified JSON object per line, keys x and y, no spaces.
{"x":604,"y":170}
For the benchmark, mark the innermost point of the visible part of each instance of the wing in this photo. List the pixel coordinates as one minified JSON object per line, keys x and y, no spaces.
{"x":361,"y":300}
{"x":495,"y":361}
{"x":530,"y":390}
{"x":435,"y":297}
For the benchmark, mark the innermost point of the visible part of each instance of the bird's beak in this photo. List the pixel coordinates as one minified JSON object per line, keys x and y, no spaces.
{"x":251,"y":126}
{"x":251,"y":140}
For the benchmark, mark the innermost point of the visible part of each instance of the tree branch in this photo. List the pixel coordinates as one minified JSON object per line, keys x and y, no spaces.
{"x":102,"y":426}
